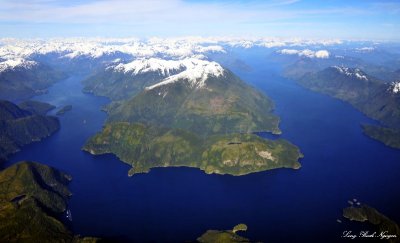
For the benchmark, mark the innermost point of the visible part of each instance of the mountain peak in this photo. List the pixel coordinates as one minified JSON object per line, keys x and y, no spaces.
{"x":193,"y":69}
{"x":144,"y":65}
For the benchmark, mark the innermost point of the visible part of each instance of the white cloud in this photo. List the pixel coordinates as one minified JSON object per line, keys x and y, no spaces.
{"x":322,"y":54}
{"x":289,"y":51}
{"x":306,"y":53}
{"x":365,"y":49}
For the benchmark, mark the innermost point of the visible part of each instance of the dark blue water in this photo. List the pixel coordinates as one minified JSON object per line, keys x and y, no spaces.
{"x":179,"y":204}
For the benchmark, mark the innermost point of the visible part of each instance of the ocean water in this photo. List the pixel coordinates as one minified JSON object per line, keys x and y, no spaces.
{"x":179,"y":204}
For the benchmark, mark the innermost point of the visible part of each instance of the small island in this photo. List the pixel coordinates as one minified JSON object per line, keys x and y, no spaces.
{"x":224,"y":236}
{"x":364,"y":213}
{"x":63,"y":110}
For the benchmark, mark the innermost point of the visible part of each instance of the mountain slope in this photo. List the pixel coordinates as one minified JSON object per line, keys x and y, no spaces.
{"x":19,"y":127}
{"x":303,"y":65}
{"x":225,"y":104}
{"x":374,"y":98}
{"x":119,"y":85}
{"x":37,"y":107}
{"x":389,"y":136}
{"x":32,"y":198}
{"x":24,"y":79}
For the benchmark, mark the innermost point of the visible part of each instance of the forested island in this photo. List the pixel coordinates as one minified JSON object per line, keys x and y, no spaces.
{"x":206,"y":122}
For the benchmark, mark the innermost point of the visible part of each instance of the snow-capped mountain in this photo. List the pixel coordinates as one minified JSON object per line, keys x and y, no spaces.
{"x":193,"y":70}
{"x":122,"y":80}
{"x":21,"y":79}
{"x":352,"y":72}
{"x":196,"y":73}
{"x":163,"y":60}
{"x":19,"y":63}
{"x":96,"y":48}
{"x":152,"y":47}
{"x":142,"y":65}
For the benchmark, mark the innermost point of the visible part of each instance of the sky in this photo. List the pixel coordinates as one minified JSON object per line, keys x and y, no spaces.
{"x":349,"y":19}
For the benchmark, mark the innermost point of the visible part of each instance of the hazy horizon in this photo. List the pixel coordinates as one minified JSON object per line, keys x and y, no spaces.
{"x":346,"y":20}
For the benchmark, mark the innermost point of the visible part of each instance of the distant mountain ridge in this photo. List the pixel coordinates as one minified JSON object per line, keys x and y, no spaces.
{"x":373,"y":97}
{"x":23,"y":79}
{"x":368,"y":94}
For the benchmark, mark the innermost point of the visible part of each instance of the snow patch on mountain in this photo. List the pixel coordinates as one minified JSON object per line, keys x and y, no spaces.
{"x":351,"y":72}
{"x":16,"y":63}
{"x":195,"y":71}
{"x":164,"y":67}
{"x":395,"y":87}
{"x":307,"y":53}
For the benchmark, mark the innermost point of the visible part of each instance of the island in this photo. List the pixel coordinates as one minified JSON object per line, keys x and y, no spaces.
{"x":224,"y":236}
{"x":19,"y":127}
{"x":32,"y":199}
{"x":145,"y":147}
{"x":363,"y":213}
{"x":206,"y":121}
{"x":63,"y":110}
